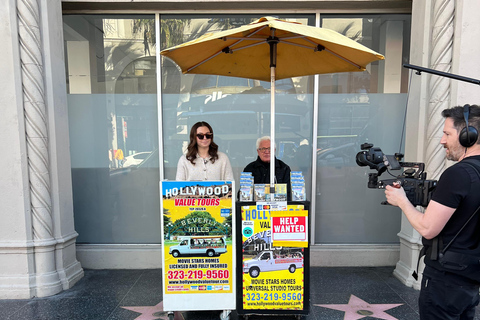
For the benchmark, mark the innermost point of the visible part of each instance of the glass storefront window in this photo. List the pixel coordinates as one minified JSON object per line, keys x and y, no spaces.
{"x":355,"y":108}
{"x":112,"y":105}
{"x":113,"y":120}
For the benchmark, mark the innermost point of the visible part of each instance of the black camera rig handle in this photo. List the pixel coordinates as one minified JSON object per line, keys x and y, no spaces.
{"x":414,"y":181}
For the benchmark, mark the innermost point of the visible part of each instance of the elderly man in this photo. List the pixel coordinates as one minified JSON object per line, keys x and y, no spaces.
{"x":260,"y":168}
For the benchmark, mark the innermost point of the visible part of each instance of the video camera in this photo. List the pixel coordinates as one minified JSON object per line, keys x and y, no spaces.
{"x":414,"y":181}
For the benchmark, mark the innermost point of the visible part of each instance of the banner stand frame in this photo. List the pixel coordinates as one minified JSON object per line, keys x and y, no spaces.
{"x":177,"y":302}
{"x":241,"y":292}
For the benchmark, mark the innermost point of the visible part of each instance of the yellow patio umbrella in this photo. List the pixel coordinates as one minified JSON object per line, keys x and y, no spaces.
{"x":271,"y":49}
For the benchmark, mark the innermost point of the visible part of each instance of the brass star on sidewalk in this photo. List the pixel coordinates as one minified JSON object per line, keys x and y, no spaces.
{"x":358,"y":309}
{"x":153,"y":312}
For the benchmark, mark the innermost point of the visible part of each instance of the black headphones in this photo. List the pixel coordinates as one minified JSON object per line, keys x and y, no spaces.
{"x":469,"y":135}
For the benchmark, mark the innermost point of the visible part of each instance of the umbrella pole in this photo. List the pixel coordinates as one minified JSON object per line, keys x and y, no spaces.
{"x":272,"y":41}
{"x":272,"y":128}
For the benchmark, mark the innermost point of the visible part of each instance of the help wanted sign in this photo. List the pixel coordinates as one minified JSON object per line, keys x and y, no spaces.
{"x":289,"y":226}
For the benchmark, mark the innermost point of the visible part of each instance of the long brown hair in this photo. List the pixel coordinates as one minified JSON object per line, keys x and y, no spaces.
{"x":192,"y":148}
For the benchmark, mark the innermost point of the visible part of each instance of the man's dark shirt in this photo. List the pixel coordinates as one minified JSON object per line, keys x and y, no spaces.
{"x":458,"y":187}
{"x":261,"y":173}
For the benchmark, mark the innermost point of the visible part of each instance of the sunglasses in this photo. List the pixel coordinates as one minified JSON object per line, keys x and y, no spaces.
{"x":202,"y":136}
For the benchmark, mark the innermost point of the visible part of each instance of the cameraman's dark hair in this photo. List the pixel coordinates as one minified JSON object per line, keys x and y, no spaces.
{"x":192,"y":148}
{"x":456,"y":114}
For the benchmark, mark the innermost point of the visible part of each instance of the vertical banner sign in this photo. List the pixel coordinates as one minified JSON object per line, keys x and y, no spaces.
{"x":273,"y":276}
{"x":198,"y":245}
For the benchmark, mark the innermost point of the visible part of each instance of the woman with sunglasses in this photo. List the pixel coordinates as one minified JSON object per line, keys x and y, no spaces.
{"x":203,"y":161}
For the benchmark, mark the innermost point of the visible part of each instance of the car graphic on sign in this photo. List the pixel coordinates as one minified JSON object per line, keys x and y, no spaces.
{"x":199,"y":245}
{"x":269,"y":261}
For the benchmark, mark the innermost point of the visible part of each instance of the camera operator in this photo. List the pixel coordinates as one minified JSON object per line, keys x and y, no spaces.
{"x":449,"y":292}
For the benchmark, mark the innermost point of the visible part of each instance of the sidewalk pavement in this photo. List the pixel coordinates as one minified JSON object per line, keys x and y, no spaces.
{"x":346,"y":293}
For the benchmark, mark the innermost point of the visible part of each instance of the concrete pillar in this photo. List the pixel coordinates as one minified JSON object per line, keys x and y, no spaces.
{"x":467,"y":47}
{"x":432,"y":38}
{"x":444,"y":38}
{"x":391,"y":43}
{"x":37,"y":238}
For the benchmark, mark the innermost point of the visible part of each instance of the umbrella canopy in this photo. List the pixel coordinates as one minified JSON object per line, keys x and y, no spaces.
{"x":271,"y":49}
{"x":245,"y":51}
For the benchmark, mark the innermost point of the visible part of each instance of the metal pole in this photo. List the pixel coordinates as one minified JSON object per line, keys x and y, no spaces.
{"x":272,"y":41}
{"x":441,"y":73}
{"x":159,"y":100}
{"x":272,"y":128}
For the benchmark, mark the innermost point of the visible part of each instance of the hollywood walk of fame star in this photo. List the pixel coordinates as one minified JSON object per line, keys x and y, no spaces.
{"x":358,"y":309}
{"x":153,"y":312}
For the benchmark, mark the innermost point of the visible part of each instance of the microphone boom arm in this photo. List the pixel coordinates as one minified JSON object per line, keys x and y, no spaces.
{"x":441,"y":73}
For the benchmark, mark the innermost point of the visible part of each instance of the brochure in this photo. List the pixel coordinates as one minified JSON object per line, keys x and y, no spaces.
{"x":246,"y":192}
{"x":260,"y":192}
{"x":298,"y":192}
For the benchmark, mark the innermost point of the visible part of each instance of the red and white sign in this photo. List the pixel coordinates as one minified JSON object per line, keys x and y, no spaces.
{"x":292,"y":228}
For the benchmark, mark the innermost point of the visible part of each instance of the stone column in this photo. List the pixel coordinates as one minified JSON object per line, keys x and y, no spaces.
{"x":439,"y":87}
{"x":466,"y":46}
{"x":37,"y":239}
{"x":432,"y":47}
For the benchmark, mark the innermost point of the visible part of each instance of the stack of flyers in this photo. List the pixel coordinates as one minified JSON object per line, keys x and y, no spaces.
{"x":298,"y":186}
{"x":259,"y":192}
{"x":298,"y":192}
{"x":246,"y":192}
{"x":246,"y":186}
{"x":279,"y":194}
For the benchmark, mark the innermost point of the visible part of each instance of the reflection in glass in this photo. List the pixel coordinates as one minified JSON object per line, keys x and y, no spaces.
{"x":112,"y":101}
{"x":111,"y":72}
{"x":355,"y":108}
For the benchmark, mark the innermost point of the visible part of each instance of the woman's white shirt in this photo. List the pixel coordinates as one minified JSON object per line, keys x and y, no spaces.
{"x":204,"y":169}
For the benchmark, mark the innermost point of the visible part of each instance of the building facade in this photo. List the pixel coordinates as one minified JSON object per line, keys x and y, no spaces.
{"x":93,"y":119}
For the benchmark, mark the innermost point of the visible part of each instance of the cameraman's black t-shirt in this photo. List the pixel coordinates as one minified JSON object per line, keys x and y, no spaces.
{"x":459,"y":187}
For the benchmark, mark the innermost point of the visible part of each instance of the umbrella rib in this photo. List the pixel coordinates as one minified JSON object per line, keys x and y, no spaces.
{"x":245,"y":38}
{"x":249,"y":46}
{"x":328,"y":50}
{"x":298,"y":36}
{"x":344,"y":59}
{"x":213,"y":56}
{"x":216,"y":54}
{"x":312,"y":42}
{"x":298,"y":45}
{"x":335,"y":54}
{"x":261,"y":39}
{"x":248,"y":37}
{"x":203,"y":61}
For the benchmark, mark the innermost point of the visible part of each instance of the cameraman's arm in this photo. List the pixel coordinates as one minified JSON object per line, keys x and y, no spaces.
{"x":428,"y":224}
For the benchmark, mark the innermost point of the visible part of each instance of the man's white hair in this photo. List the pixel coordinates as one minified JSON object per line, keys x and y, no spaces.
{"x":264,"y":138}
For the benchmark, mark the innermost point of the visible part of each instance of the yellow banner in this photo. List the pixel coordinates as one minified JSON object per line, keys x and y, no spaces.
{"x":198,"y":250}
{"x":273,"y":275}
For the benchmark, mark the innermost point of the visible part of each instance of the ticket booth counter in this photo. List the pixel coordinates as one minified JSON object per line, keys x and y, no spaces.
{"x":273,"y":258}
